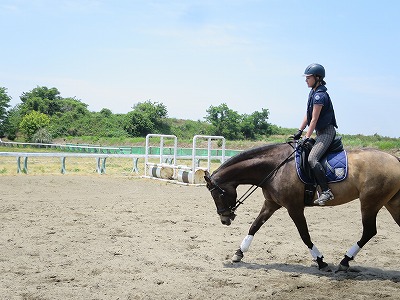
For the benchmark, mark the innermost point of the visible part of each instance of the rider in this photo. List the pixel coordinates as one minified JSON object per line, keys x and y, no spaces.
{"x":320,"y":117}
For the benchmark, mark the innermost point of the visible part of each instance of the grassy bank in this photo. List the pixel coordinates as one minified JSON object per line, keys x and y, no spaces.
{"x":349,"y":141}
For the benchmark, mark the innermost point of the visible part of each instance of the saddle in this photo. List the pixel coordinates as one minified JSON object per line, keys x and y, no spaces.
{"x":334,"y":162}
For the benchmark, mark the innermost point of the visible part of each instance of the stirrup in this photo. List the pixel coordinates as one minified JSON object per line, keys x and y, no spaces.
{"x":324,"y":197}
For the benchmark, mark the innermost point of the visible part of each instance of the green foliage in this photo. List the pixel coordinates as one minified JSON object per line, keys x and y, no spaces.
{"x":99,"y":124}
{"x":138,"y":124}
{"x":4,"y":105}
{"x":156,"y":111}
{"x":11,"y":124}
{"x":234,"y":126}
{"x":147,"y":117}
{"x":44,"y":115}
{"x":256,"y":125}
{"x":72,"y":105}
{"x":105,"y":112}
{"x":41,"y":92}
{"x":32,"y":122}
{"x":41,"y":99}
{"x":186,"y":129}
{"x":374,"y":141}
{"x":42,"y":135}
{"x":225,"y":121}
{"x":105,"y":125}
{"x":277,"y":130}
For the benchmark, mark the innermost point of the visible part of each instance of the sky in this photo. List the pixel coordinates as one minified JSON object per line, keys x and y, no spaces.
{"x":193,"y":54}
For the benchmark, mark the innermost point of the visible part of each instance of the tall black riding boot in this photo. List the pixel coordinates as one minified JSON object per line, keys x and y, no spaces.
{"x":326,"y":194}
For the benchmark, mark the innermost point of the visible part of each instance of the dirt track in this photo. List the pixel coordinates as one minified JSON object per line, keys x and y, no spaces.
{"x":109,"y":237}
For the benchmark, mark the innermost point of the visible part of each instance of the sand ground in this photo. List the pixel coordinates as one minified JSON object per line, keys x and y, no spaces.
{"x":124,"y":237}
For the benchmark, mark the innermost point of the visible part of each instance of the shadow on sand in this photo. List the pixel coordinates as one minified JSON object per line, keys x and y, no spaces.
{"x":355,"y":273}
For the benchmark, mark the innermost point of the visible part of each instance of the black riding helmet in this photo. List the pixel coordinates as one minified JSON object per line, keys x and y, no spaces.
{"x":316,"y":70}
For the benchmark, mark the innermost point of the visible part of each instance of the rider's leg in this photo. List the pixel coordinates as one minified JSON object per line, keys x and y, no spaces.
{"x":322,"y":142}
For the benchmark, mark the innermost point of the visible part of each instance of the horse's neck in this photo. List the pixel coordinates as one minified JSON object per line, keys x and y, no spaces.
{"x":254,"y":169}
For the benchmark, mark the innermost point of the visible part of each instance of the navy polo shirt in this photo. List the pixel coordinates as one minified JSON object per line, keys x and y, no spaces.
{"x":327,"y":115}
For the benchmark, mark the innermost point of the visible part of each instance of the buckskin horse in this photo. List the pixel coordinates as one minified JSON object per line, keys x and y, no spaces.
{"x":373,"y":178}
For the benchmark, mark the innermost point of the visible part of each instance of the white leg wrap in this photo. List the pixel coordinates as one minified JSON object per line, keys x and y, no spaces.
{"x":315,"y":252}
{"x":353,"y":251}
{"x":245,"y":245}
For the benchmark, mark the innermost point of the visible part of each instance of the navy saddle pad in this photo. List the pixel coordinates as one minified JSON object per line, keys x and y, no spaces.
{"x":334,"y":163}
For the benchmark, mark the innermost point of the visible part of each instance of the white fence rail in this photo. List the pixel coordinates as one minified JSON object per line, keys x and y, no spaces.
{"x":100,"y":159}
{"x":102,"y":153}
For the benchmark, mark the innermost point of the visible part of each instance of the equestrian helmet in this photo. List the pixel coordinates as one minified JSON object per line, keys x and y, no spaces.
{"x":316,"y":70}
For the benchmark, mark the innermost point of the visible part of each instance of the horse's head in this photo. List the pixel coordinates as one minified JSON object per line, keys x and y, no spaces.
{"x":225,"y":200}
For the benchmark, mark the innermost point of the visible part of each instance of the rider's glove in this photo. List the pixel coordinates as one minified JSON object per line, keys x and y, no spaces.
{"x":297,"y":135}
{"x":306,"y":143}
{"x":304,"y":140}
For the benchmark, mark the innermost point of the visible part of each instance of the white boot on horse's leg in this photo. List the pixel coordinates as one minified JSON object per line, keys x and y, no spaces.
{"x":244,"y":247}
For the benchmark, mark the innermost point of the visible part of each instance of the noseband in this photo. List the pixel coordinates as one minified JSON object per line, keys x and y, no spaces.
{"x":214,"y":186}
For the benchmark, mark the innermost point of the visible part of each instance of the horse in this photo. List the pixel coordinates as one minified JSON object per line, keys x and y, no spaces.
{"x":373,"y":178}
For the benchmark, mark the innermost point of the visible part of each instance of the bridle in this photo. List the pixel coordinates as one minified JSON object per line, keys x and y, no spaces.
{"x":214,"y":186}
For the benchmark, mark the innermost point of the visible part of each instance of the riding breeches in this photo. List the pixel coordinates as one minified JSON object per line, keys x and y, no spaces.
{"x":322,"y":142}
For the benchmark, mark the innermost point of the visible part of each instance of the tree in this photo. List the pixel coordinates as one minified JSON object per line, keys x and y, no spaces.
{"x":226,"y":121}
{"x":138,"y":124}
{"x":146,"y":117}
{"x":105,"y":112}
{"x":11,"y":123}
{"x":41,"y":99}
{"x":72,"y":105}
{"x":248,"y":127}
{"x":156,"y":112}
{"x":43,"y":136}
{"x":186,"y":129}
{"x":256,"y":124}
{"x":4,"y":105}
{"x":32,"y":122}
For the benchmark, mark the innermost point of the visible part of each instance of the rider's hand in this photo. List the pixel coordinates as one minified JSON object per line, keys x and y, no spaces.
{"x":306,"y":143}
{"x":297,"y":135}
{"x":304,"y":140}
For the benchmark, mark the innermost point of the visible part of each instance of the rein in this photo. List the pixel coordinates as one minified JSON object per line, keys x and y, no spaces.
{"x":253,"y":188}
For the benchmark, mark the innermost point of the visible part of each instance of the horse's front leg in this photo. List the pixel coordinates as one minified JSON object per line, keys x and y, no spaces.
{"x":266,"y":212}
{"x":297,"y":215}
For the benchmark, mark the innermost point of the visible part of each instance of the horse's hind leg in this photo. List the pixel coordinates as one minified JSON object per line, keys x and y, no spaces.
{"x":393,"y":206}
{"x":266,"y":212}
{"x":368,"y":214}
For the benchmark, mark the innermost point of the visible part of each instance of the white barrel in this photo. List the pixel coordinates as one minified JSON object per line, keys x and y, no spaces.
{"x":187,"y":176}
{"x":161,"y":172}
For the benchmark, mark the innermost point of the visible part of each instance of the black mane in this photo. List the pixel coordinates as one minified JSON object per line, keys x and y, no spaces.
{"x":246,"y":154}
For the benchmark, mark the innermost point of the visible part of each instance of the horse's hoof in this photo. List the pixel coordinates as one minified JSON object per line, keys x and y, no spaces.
{"x":325,"y":268}
{"x":237,"y":257}
{"x":342,"y":268}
